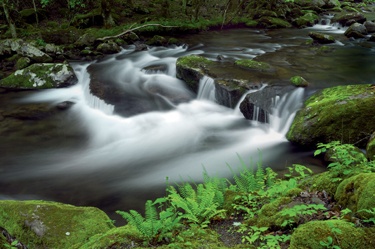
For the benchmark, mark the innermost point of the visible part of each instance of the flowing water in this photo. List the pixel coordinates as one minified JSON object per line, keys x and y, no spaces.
{"x":88,"y":155}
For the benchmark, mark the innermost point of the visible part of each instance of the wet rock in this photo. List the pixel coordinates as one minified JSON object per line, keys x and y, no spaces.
{"x":157,"y":40}
{"x":85,"y":40}
{"x":254,"y":65}
{"x":109,"y":47}
{"x":22,"y":63}
{"x":273,"y":22}
{"x":349,"y":18}
{"x":307,"y":20}
{"x":372,"y":38}
{"x":140,"y":46}
{"x":45,"y":224}
{"x":65,"y":105}
{"x":22,"y":48}
{"x":299,"y":81}
{"x":343,"y":113}
{"x":258,"y":105}
{"x":370,"y":26}
{"x":322,"y":38}
{"x":41,"y":76}
{"x":356,"y":30}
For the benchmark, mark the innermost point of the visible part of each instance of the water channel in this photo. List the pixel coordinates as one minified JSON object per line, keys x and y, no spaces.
{"x":88,"y":155}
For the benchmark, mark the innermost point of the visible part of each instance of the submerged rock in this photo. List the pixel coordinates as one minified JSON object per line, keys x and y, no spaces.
{"x":322,"y":38}
{"x":44,"y":224}
{"x":41,"y":76}
{"x":342,"y":113}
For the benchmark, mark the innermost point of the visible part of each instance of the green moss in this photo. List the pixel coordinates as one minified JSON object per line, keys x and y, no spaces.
{"x":323,"y":181}
{"x":254,"y":65}
{"x":357,"y":192}
{"x":193,"y":61}
{"x":123,"y":236}
{"x":342,"y":113}
{"x":298,"y":81}
{"x":52,"y":224}
{"x":308,"y":19}
{"x":36,"y":76}
{"x":274,"y":22}
{"x":268,"y":213}
{"x":309,"y":235}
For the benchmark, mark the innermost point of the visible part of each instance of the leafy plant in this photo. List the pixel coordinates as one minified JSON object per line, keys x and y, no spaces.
{"x":372,"y":213}
{"x":256,"y":236}
{"x":347,"y":159}
{"x":154,"y":227}
{"x":197,"y":206}
{"x":329,"y":243}
{"x":300,"y":213}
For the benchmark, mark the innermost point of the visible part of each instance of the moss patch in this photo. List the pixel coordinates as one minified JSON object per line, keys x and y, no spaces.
{"x":50,"y":224}
{"x":299,"y":81}
{"x":309,"y":235}
{"x":253,"y":65}
{"x":343,"y":113}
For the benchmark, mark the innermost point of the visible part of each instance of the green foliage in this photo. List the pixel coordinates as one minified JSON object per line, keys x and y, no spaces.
{"x":347,"y":159}
{"x":71,"y":3}
{"x":329,"y":243}
{"x":153,"y":227}
{"x":257,"y":236}
{"x":197,"y":206}
{"x":300,"y":213}
{"x":371,"y":212}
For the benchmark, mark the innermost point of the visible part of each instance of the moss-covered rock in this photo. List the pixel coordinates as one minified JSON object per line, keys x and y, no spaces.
{"x":191,"y":69}
{"x":273,"y":22}
{"x":299,"y":81}
{"x":324,"y":181}
{"x":322,"y":38}
{"x":254,"y":65}
{"x":309,"y":235}
{"x":41,"y":76}
{"x":42,"y":224}
{"x":370,"y":148}
{"x":342,"y":113}
{"x":357,"y":192}
{"x":307,"y":20}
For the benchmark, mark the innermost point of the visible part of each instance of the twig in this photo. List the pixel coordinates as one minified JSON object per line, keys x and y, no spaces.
{"x":130,"y":30}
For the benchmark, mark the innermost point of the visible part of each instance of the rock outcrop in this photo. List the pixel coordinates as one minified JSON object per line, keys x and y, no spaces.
{"x":41,"y":76}
{"x":343,"y":113}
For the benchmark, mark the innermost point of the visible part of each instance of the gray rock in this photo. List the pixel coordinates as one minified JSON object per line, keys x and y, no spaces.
{"x":356,"y":30}
{"x":322,"y":38}
{"x":370,"y":26}
{"x":41,"y":76}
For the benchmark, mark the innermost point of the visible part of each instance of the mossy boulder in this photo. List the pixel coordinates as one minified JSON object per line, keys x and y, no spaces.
{"x":41,"y":76}
{"x":307,"y":20}
{"x":253,"y":65}
{"x":299,"y":81}
{"x":357,"y":192}
{"x":323,"y":181}
{"x":370,"y":148}
{"x":342,"y":113}
{"x":273,"y":22}
{"x":9,"y":47}
{"x":191,"y":69}
{"x":43,"y":224}
{"x":322,"y":38}
{"x":346,"y":19}
{"x":309,"y":235}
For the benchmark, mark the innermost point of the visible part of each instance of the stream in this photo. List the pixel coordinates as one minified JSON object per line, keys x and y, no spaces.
{"x":88,"y":155}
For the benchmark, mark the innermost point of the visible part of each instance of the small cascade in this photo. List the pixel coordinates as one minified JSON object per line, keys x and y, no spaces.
{"x":91,"y":100}
{"x":325,"y":24}
{"x":206,"y":89}
{"x":284,"y":110}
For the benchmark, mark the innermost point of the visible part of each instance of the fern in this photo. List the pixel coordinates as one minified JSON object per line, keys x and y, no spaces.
{"x":155,"y":226}
{"x":197,"y":206}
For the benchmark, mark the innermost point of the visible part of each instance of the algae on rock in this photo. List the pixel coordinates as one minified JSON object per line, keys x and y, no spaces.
{"x":45,"y":224}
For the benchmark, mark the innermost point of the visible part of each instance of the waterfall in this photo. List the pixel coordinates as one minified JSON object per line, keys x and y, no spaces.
{"x":206,"y":89}
{"x":91,"y":100}
{"x":284,"y":110}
